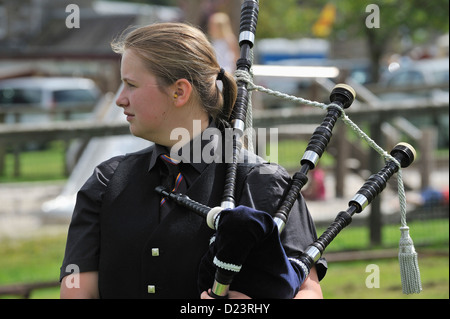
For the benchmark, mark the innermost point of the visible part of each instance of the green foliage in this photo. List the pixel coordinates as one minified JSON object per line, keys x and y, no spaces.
{"x":286,"y":19}
{"x":418,"y":21}
{"x":400,"y":16}
{"x":293,"y":18}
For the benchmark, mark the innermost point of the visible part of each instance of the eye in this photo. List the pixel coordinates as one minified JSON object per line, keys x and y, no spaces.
{"x":128,"y":83}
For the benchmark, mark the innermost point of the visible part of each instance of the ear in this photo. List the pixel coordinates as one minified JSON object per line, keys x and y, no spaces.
{"x":182,"y":90}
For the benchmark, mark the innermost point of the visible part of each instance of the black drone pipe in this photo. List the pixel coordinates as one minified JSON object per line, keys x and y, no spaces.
{"x":404,"y":154}
{"x":341,"y":97}
{"x":247,"y":29}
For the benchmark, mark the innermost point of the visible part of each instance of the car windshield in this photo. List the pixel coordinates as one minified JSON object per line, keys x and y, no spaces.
{"x":20,"y":96}
{"x":74,"y":96}
{"x":407,"y":78}
{"x":441,"y":76}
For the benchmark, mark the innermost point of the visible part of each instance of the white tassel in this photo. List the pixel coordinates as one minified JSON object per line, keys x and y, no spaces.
{"x":409,"y":266}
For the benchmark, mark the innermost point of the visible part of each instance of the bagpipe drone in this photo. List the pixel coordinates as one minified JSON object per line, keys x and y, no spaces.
{"x":247,"y":252}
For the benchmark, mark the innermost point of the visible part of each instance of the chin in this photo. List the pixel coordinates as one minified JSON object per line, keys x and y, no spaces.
{"x":135,"y":131}
{"x":140,"y":134}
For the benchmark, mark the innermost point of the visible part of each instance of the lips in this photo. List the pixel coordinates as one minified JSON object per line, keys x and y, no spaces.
{"x":128,"y":115}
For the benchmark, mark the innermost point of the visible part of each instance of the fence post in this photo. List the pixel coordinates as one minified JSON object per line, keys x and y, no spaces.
{"x":342,"y":154}
{"x":427,"y":147}
{"x":2,"y":158}
{"x":16,"y":156}
{"x":375,"y":222}
{"x":2,"y":149}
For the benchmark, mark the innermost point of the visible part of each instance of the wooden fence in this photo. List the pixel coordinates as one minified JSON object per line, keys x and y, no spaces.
{"x":292,"y":123}
{"x":385,"y":121}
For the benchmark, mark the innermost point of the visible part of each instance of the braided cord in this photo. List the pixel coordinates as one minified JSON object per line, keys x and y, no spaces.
{"x":248,"y":78}
{"x":249,"y":117}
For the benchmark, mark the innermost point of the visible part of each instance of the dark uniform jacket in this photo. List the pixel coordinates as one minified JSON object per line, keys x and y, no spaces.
{"x":116,"y":229}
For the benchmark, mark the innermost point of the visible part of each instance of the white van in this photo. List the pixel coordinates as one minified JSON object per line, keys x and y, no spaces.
{"x":47,"y":93}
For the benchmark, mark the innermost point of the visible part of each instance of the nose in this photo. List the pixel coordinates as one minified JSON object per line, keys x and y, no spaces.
{"x":122,"y":100}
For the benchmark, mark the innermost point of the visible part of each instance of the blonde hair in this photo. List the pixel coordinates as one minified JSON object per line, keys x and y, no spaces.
{"x":220,"y":25}
{"x":172,"y":51}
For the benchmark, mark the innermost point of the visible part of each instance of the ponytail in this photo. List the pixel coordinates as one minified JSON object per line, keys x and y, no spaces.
{"x":229,"y":93}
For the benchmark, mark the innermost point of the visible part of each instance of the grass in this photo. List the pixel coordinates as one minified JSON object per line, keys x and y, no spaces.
{"x":41,"y":165}
{"x":291,"y":151}
{"x":348,"y":279}
{"x":39,"y":259}
{"x":429,"y":233}
{"x":31,"y":260}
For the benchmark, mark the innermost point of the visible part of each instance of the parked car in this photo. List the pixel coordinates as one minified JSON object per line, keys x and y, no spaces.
{"x":426,"y":73}
{"x":48,"y":94}
{"x":423,"y":73}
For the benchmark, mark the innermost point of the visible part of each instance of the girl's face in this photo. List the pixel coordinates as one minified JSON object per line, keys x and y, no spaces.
{"x":147,"y":106}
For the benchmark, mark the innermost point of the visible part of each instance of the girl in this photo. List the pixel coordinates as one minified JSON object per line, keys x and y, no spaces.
{"x":124,"y":240}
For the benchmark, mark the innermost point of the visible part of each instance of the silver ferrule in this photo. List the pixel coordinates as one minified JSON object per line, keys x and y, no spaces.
{"x":311,"y":156}
{"x":280,"y":224}
{"x":239,"y":125}
{"x":313,"y":252}
{"x":247,"y":36}
{"x":219,"y":289}
{"x":361,"y":200}
{"x":227,"y":205}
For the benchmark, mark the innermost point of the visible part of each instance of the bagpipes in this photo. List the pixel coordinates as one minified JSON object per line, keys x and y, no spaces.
{"x":247,"y":251}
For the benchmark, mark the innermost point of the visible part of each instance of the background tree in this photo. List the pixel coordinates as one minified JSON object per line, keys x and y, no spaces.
{"x":287,"y":18}
{"x":416,"y":21}
{"x":402,"y":23}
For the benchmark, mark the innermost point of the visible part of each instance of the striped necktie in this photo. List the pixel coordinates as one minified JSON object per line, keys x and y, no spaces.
{"x":172,"y":179}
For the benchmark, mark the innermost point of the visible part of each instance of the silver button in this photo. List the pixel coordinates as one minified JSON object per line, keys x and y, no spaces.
{"x":155,"y":252}
{"x":151,"y":289}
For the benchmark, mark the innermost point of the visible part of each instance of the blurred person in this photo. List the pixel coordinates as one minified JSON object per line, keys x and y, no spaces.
{"x":315,"y":188}
{"x":124,"y":239}
{"x":224,"y":41}
{"x":429,"y":197}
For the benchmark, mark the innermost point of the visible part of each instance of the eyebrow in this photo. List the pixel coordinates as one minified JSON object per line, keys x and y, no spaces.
{"x":127,"y":80}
